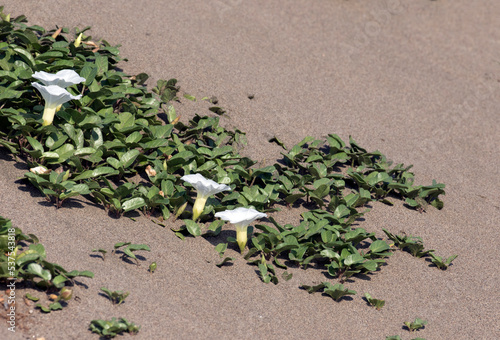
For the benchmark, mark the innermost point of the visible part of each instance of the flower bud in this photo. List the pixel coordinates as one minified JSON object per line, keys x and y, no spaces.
{"x":78,"y":40}
{"x":152,"y":267}
{"x":66,"y":294}
{"x":180,"y":210}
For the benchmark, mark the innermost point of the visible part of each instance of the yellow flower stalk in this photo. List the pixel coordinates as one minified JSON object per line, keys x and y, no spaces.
{"x":241,"y":218}
{"x":199,"y":205}
{"x":205,"y":188}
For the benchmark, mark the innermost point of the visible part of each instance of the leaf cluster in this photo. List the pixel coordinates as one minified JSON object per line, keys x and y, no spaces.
{"x":113,"y":327}
{"x":377,"y":303}
{"x":116,"y":131}
{"x":117,"y":297}
{"x":336,"y":291}
{"x":128,"y":249}
{"x":415,"y":325}
{"x":414,"y":245}
{"x":326,"y":168}
{"x":327,"y":239}
{"x":28,"y":262}
{"x":126,"y":148}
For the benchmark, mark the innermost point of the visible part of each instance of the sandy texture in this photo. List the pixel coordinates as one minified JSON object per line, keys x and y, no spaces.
{"x":418,"y":80}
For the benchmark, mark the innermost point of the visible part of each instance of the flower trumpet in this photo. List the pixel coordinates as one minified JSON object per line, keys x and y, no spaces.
{"x":63,"y":78}
{"x":204,"y":188}
{"x":241,"y":218}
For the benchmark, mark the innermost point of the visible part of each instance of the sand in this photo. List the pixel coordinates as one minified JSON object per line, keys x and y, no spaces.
{"x":417,"y":80}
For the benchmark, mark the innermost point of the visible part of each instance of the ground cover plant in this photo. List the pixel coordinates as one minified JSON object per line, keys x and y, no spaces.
{"x":124,"y":147}
{"x":23,"y":258}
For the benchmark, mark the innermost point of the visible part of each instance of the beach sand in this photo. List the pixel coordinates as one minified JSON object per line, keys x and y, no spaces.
{"x":417,"y":80}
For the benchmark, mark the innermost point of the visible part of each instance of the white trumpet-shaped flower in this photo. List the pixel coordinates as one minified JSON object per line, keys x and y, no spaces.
{"x":204,"y":189}
{"x":63,"y":78}
{"x":53,"y":96}
{"x":241,"y":218}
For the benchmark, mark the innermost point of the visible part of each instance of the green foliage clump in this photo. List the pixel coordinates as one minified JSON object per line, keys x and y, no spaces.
{"x":117,"y":297}
{"x":113,"y":327}
{"x":28,"y":262}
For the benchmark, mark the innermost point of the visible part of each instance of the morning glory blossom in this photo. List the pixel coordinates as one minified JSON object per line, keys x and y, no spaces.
{"x":63,"y":78}
{"x":241,"y":218}
{"x":54,"y":96}
{"x":204,"y":189}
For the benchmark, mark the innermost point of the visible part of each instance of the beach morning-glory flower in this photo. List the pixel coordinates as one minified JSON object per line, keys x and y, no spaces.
{"x":63,"y":78}
{"x":204,"y":189}
{"x":241,"y":218}
{"x":54,"y":96}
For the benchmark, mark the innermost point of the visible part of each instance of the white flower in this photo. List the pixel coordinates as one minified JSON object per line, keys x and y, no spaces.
{"x":54,"y":96}
{"x":241,"y":218}
{"x":63,"y":78}
{"x":204,"y":188}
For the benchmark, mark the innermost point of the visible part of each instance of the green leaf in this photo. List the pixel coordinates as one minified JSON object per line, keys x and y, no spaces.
{"x":224,"y":261}
{"x":337,"y":291}
{"x":374,"y":302}
{"x":36,"y":269}
{"x":133,"y":203}
{"x":101,"y":62}
{"x":97,"y":172}
{"x":121,"y":244}
{"x":25,"y":257}
{"x":55,"y":306}
{"x":127,"y":121}
{"x":88,"y":72}
{"x":114,"y":162}
{"x":129,"y":157}
{"x":353,"y":259}
{"x":379,"y":246}
{"x":313,"y":289}
{"x":193,"y":228}
{"x":26,"y":56}
{"x":65,"y":152}
{"x":43,"y":308}
{"x":286,"y":276}
{"x":32,"y":298}
{"x":215,"y":227}
{"x":128,"y":250}
{"x":59,"y":280}
{"x":341,"y":211}
{"x":161,"y":131}
{"x":277,"y":141}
